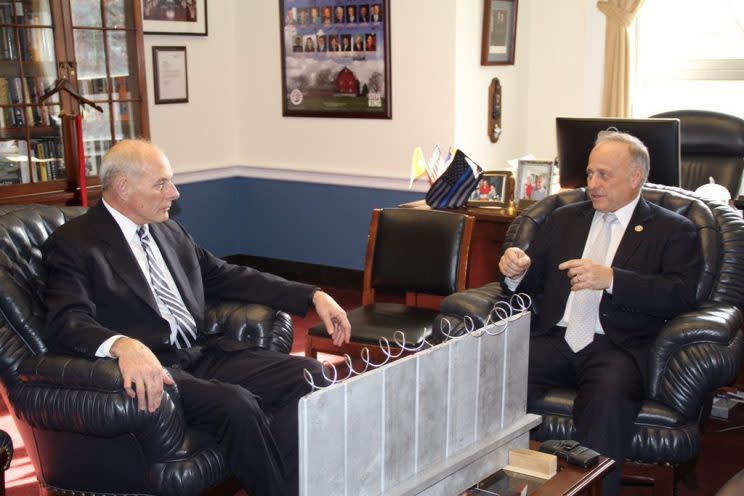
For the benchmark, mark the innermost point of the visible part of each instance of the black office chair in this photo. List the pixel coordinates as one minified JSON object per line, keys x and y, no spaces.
{"x":694,"y":354}
{"x":712,"y":145}
{"x":84,"y":435}
{"x":414,"y":250}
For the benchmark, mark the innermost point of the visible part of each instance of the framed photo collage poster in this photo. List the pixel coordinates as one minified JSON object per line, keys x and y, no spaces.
{"x":335,"y":58}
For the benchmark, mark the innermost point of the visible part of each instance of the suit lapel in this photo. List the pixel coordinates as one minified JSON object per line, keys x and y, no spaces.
{"x":634,"y":233}
{"x":120,"y":256}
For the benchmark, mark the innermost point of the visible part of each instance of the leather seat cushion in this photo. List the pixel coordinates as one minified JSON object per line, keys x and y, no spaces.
{"x":559,"y":402}
{"x":370,"y":322}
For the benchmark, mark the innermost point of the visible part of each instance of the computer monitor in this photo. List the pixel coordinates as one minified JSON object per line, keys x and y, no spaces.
{"x":576,"y":137}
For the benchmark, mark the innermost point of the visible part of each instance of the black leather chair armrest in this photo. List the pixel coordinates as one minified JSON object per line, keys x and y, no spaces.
{"x":695,"y":353}
{"x":59,"y":392}
{"x":6,"y":450}
{"x":258,"y":324}
{"x":476,"y":303}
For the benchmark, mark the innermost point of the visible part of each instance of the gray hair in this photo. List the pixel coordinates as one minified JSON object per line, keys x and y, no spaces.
{"x":125,"y":157}
{"x":638,"y":151}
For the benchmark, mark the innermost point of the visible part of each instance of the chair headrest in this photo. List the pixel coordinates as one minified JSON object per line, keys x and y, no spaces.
{"x":23,"y":229}
{"x":709,"y":133}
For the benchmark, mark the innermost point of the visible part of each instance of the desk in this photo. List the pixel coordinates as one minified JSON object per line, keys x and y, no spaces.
{"x":489,"y":233}
{"x":570,"y":479}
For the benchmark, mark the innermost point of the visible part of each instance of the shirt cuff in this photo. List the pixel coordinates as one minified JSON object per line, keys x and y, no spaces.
{"x":104,"y":351}
{"x":513,"y":283}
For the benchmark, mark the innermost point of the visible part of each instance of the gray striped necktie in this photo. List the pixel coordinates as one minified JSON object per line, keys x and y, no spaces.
{"x":585,"y":306}
{"x":185,"y":333}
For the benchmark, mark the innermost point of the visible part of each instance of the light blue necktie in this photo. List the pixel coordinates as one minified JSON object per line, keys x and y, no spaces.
{"x":585,"y":306}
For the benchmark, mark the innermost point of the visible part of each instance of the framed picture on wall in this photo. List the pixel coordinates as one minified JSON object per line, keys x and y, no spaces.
{"x":335,"y":58}
{"x":499,"y":32}
{"x":187,"y":17}
{"x":170,"y":74}
{"x":493,"y":189}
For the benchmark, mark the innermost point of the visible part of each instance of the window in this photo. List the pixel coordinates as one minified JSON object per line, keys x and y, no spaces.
{"x":690,"y":55}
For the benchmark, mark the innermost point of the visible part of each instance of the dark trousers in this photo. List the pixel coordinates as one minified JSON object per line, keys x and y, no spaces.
{"x":610,"y":392}
{"x":247,"y":400}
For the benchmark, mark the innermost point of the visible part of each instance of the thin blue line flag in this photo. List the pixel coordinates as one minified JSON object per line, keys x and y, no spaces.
{"x":453,"y":188}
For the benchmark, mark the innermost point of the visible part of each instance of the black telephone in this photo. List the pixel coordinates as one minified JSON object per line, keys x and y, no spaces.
{"x":494,"y":110}
{"x":571,"y":451}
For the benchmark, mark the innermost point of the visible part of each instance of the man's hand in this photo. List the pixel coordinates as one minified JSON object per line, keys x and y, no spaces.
{"x":333,"y":316}
{"x":584,"y":273}
{"x":140,"y":368}
{"x":514,"y":263}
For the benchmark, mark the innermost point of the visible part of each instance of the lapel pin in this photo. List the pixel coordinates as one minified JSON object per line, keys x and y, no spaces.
{"x":638,"y":228}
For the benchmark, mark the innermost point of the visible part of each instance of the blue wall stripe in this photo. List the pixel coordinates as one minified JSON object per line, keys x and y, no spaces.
{"x":304,"y":222}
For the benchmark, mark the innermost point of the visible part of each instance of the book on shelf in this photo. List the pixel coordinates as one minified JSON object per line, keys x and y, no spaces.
{"x":8,"y":36}
{"x":9,"y":172}
{"x":14,"y":154}
{"x":48,"y":157}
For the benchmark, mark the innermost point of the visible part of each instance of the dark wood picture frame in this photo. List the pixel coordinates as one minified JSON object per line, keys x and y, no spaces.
{"x":499,"y":192}
{"x":164,"y":17}
{"x":335,"y":58}
{"x":170,"y":74}
{"x":499,"y":32}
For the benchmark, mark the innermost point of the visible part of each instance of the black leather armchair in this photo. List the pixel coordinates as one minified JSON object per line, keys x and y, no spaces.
{"x":84,"y":435}
{"x":694,"y":354}
{"x":712,"y":145}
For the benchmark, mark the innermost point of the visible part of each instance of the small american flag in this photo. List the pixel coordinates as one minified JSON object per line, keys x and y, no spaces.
{"x":453,"y":188}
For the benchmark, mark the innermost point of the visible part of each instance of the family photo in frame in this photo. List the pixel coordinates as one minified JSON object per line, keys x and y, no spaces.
{"x":493,"y":189}
{"x":534,"y":181}
{"x":335,"y":58}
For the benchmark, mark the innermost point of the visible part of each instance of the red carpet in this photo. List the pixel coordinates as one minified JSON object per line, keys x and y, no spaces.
{"x":722,"y":453}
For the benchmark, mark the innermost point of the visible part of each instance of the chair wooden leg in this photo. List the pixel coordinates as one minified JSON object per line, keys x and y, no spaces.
{"x":661,"y":477}
{"x":310,"y":350}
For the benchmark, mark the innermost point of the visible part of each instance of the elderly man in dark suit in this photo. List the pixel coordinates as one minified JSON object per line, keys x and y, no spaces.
{"x":126,"y":282}
{"x":605,"y":275}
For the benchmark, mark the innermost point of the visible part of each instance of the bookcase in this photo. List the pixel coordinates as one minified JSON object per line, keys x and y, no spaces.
{"x":97,"y":46}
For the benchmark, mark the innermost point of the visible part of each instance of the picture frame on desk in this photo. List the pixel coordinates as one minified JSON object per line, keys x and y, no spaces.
{"x":187,"y":17}
{"x":493,"y":189}
{"x":335,"y":58}
{"x":170,"y":74}
{"x":534,"y":181}
{"x":499,"y":32}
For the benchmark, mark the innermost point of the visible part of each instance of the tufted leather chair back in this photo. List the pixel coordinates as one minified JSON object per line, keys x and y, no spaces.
{"x":418,"y":250}
{"x":719,"y":227}
{"x":712,"y":145}
{"x":23,"y":229}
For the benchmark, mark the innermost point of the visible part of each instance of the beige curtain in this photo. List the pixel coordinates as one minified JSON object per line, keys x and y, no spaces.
{"x":616,"y":91}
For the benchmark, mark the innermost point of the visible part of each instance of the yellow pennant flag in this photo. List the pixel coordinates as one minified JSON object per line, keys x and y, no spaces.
{"x":418,"y":165}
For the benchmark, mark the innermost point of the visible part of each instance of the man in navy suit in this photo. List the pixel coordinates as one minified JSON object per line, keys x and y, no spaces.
{"x":647,"y":273}
{"x":125,"y":282}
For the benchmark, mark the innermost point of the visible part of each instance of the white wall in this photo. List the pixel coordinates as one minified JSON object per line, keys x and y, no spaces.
{"x":471,"y":96}
{"x":565,"y":59}
{"x":422,"y":105}
{"x":439,"y":90}
{"x":201,"y":134}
